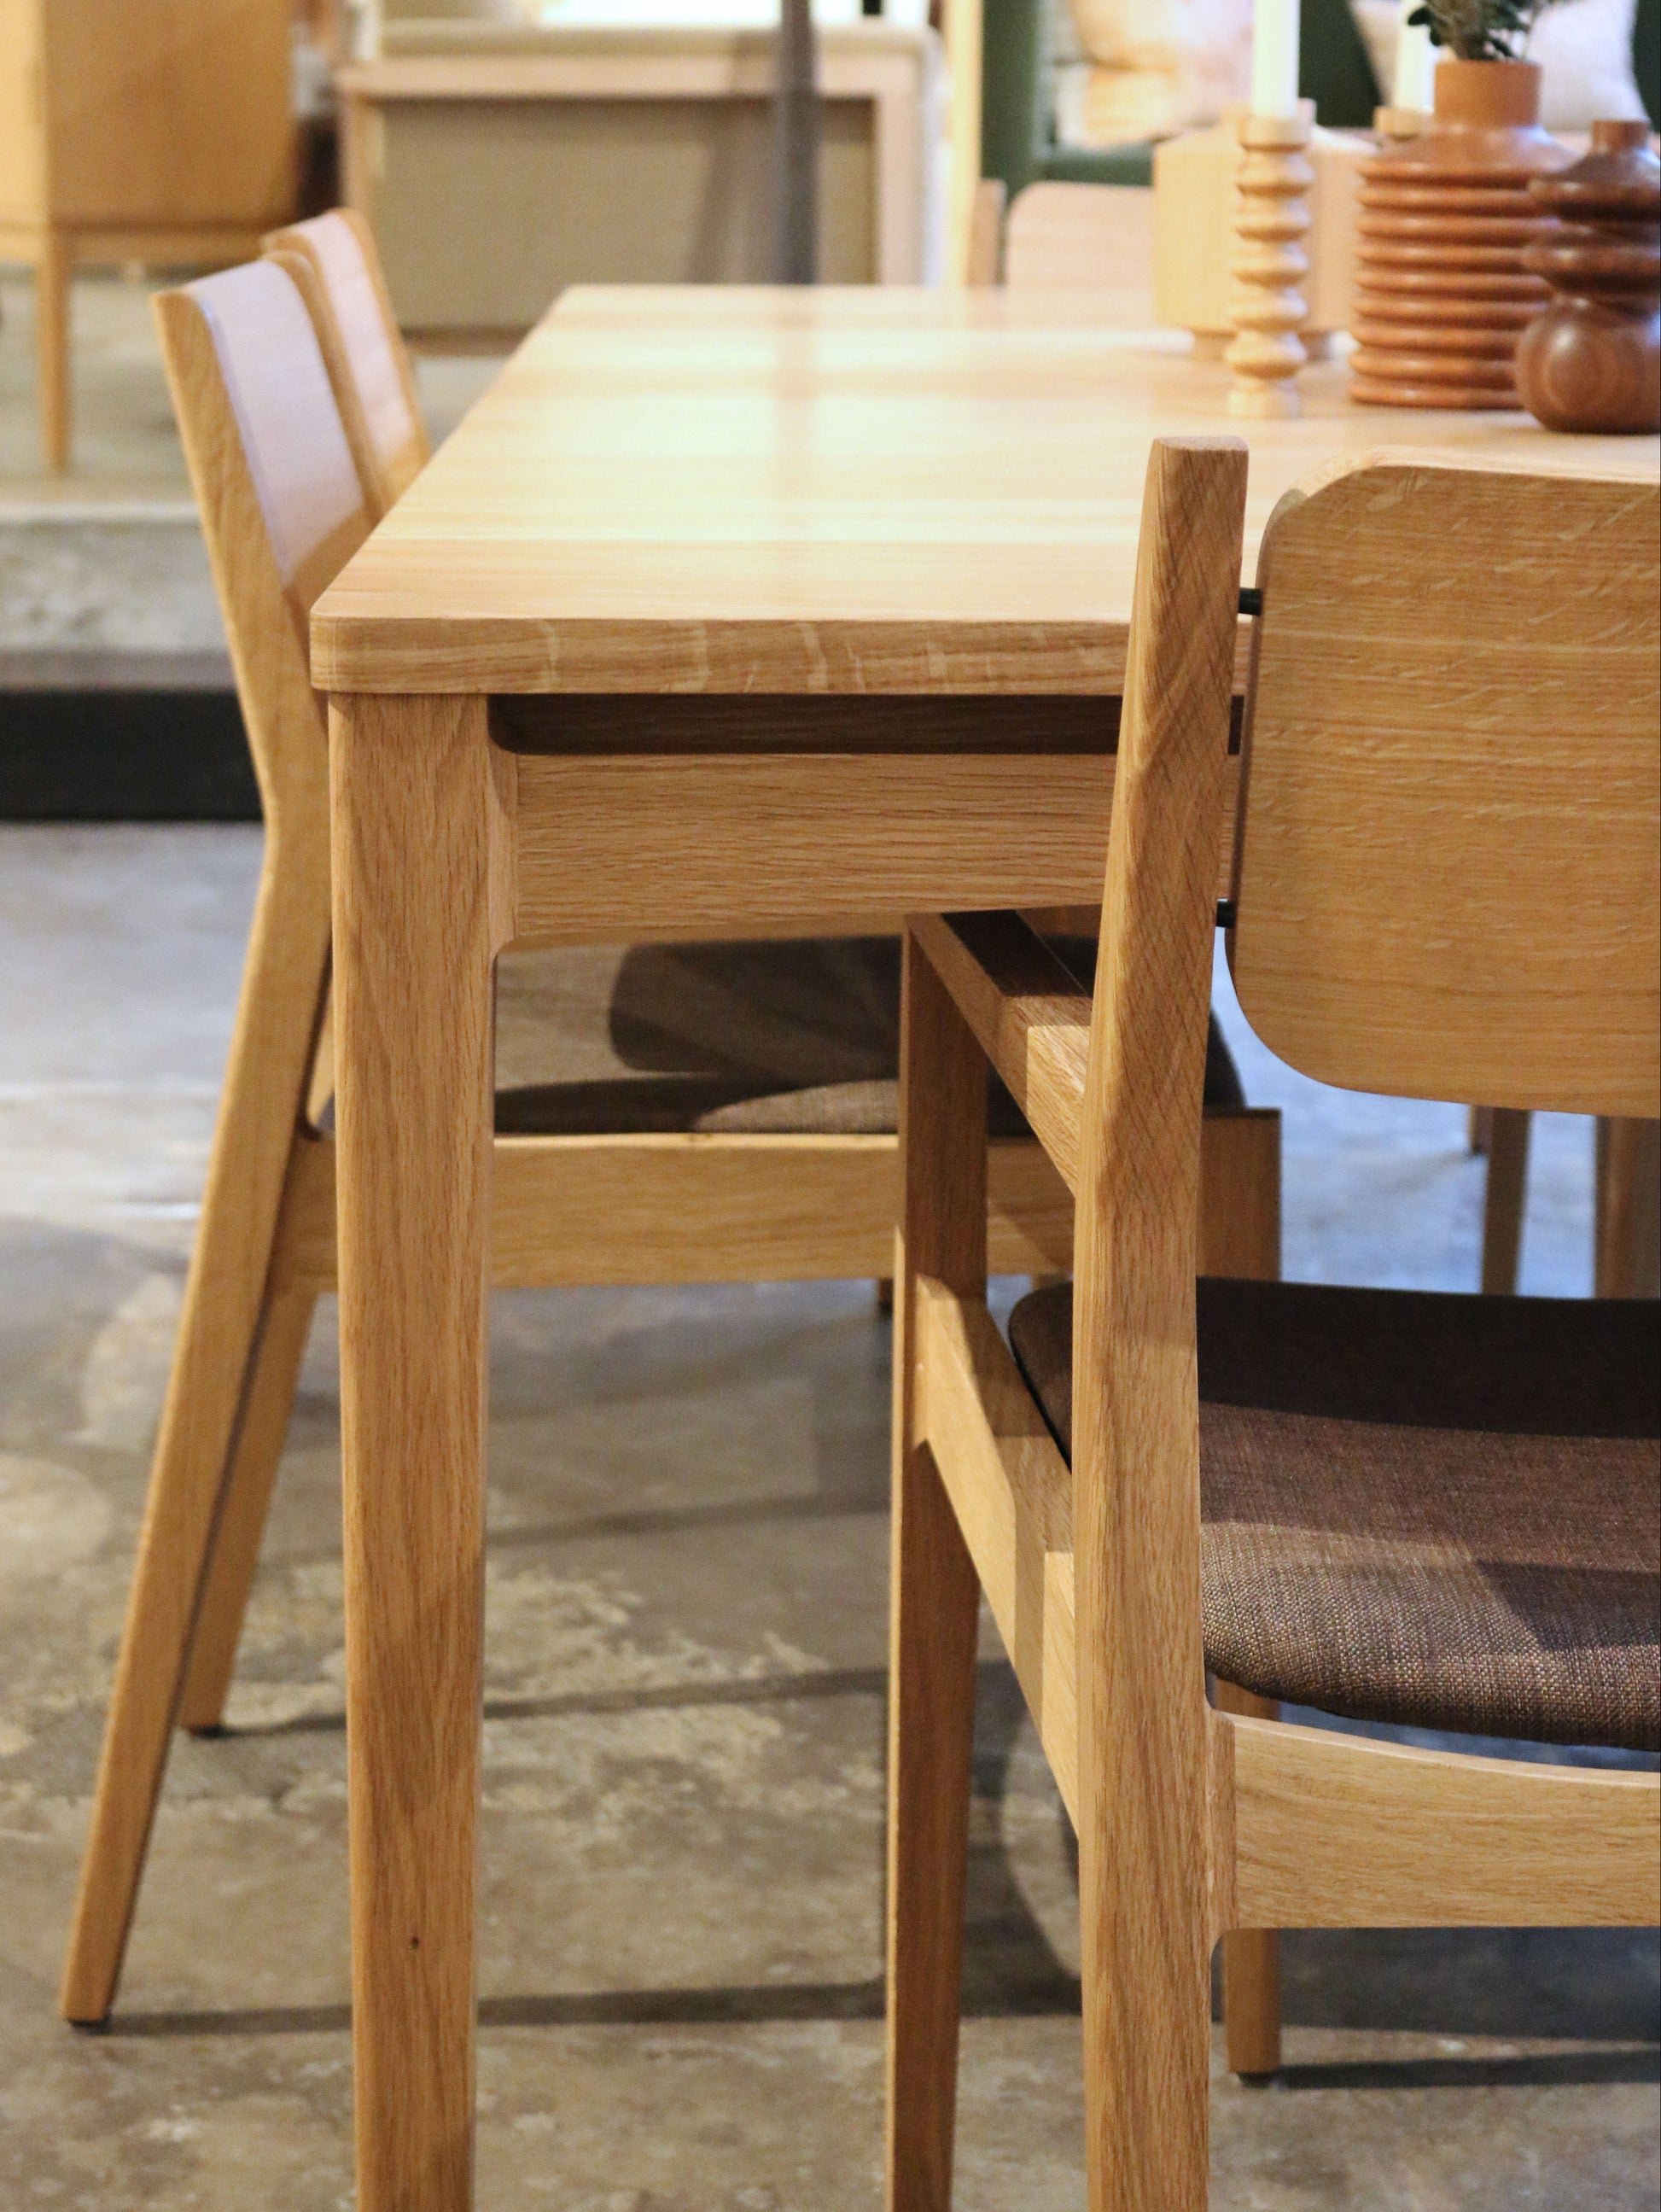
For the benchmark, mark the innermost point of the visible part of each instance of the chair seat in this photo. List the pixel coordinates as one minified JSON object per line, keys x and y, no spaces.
{"x":792,"y":1036}
{"x":1432,"y":1510}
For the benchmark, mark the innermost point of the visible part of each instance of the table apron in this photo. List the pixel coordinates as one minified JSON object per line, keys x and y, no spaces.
{"x":665,"y":846}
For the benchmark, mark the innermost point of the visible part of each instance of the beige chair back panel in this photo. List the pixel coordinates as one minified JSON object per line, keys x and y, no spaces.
{"x":374,"y":381}
{"x":1094,"y":237}
{"x":293,"y":443}
{"x":1448,"y":874}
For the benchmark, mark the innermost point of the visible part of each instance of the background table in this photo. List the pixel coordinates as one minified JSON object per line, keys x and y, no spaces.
{"x":723,"y":613}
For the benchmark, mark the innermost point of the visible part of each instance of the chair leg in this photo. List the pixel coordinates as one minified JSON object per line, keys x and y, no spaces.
{"x":1250,"y":1956}
{"x":205,"y":1394}
{"x":1146,"y":1993}
{"x":236,"y":1554}
{"x":1502,"y":1213}
{"x":1628,"y":1224}
{"x":935,"y":1609}
{"x":1479,"y":1127}
{"x":51,"y":310}
{"x":1239,"y":1234}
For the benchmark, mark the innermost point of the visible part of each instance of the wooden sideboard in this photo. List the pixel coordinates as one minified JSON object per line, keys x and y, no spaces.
{"x":155,"y":131}
{"x":499,"y":163}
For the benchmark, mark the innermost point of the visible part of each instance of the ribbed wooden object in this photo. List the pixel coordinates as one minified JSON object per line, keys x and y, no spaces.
{"x":1442,"y":295}
{"x":1591,"y":361}
{"x":1270,"y":265}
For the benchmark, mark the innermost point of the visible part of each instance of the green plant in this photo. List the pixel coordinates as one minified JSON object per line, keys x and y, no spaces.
{"x":1481,"y":30}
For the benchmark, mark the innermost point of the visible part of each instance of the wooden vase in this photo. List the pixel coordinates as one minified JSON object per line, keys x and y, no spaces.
{"x":1592,"y":360}
{"x":1442,"y":295}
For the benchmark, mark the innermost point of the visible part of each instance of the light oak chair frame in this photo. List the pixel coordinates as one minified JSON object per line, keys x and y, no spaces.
{"x":611,"y":1209}
{"x":1192,"y":1822}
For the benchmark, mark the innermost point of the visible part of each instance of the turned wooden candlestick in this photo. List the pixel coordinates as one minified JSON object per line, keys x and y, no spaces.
{"x":1593,"y":360}
{"x":1269,"y":264}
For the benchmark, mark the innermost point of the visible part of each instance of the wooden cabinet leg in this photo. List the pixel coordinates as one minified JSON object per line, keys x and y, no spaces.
{"x":935,"y":1607}
{"x":51,"y":312}
{"x":1628,"y":1220}
{"x":421,"y":865}
{"x":1502,"y":1213}
{"x":235,"y":1555}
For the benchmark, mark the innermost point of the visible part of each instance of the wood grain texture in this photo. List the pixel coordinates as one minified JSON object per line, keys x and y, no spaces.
{"x":1143,"y":1836}
{"x":1339,"y":1832}
{"x":373,"y":380}
{"x":1250,"y":1956}
{"x":690,"y":1209}
{"x":1012,"y":1494}
{"x":1628,"y":1233}
{"x":863,"y":490}
{"x":1504,"y":1198}
{"x":422,"y":841}
{"x":273,"y":1373}
{"x":745,"y":846}
{"x":1515,"y":745}
{"x":246,"y":378}
{"x":1027,"y":1015}
{"x":934,"y":1602}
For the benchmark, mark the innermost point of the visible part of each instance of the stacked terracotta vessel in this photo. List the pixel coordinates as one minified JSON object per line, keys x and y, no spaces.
{"x":1442,"y":294}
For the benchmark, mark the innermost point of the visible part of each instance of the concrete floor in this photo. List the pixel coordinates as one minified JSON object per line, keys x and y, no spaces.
{"x":683,"y":1785}
{"x":102,"y":570}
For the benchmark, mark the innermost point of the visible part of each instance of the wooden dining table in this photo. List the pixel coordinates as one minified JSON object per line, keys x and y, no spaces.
{"x":723,"y":613}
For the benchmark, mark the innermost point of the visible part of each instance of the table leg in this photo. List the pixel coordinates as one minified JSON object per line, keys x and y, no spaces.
{"x":421,"y":841}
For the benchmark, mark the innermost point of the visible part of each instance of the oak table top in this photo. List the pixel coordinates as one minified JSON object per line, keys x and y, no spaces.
{"x":892,"y":491}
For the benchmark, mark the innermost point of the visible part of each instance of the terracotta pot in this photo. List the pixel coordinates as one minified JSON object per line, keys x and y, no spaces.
{"x":1441,"y":293}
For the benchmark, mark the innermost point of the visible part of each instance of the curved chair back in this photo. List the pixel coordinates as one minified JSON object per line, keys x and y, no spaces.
{"x":282,"y":506}
{"x":333,"y":260}
{"x":1445,"y":878}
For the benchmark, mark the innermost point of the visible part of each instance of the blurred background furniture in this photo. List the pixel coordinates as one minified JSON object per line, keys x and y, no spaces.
{"x":499,"y":161}
{"x":1002,"y":56}
{"x":157,"y":131}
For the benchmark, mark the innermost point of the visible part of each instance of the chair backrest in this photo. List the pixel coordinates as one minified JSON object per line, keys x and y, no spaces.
{"x":1100,"y":236}
{"x":1447,"y":880}
{"x":282,"y":506}
{"x":368,"y":364}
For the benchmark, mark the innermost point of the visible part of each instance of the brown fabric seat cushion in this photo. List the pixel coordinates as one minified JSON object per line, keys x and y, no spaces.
{"x":778,"y":1036}
{"x":1421,"y":1508}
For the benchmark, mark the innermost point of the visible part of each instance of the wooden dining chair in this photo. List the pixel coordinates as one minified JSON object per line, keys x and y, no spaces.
{"x":334,"y":261}
{"x":1400,"y":1507}
{"x":1086,"y":236}
{"x":1065,"y":235}
{"x":671,"y":1114}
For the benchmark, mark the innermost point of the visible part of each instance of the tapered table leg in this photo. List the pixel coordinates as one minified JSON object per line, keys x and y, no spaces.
{"x":421,"y":862}
{"x":935,"y":1607}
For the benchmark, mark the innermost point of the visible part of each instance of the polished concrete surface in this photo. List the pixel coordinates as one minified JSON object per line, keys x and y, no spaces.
{"x":682,"y":1887}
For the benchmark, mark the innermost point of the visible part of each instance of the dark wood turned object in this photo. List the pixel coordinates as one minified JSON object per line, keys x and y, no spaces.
{"x":1593,"y":360}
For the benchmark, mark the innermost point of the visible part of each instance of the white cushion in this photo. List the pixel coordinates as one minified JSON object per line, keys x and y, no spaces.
{"x":1585,"y":47}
